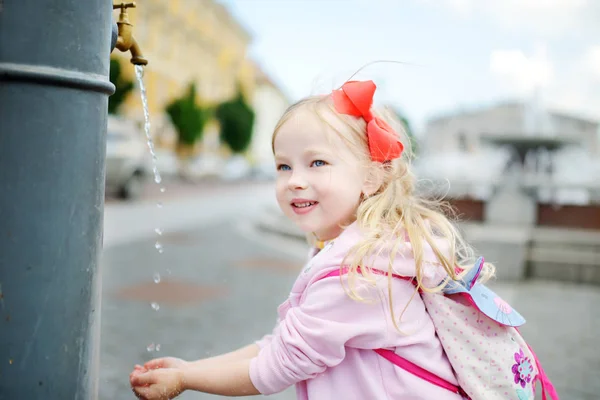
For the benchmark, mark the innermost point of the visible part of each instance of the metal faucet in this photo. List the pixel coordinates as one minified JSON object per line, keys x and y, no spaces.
{"x":125,"y":40}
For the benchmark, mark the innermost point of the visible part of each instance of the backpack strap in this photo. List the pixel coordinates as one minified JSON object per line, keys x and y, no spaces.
{"x":547,"y":386}
{"x":345,"y":270}
{"x":419,"y":372}
{"x":395,"y":358}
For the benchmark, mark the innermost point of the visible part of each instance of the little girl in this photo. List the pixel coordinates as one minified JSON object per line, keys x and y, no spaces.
{"x":343,"y":177}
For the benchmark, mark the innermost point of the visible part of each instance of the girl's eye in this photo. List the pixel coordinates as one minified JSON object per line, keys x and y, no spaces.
{"x":319,"y":163}
{"x":283,"y":167}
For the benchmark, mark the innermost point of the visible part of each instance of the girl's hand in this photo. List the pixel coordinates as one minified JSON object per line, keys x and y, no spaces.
{"x":166,"y":362}
{"x":157,"y":384}
{"x":138,"y":369}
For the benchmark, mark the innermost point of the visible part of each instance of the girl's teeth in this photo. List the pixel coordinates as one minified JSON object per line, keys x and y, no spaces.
{"x":302,"y":205}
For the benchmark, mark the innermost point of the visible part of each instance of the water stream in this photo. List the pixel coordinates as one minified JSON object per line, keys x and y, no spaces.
{"x":139,"y":73}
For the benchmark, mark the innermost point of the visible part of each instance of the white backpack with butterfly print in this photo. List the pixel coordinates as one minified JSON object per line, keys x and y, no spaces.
{"x":479,"y":332}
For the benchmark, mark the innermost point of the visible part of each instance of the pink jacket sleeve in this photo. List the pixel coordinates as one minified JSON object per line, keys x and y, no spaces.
{"x":313,"y":336}
{"x":266,"y":340}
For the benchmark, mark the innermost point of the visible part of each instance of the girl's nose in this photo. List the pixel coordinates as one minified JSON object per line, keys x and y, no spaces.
{"x":297,"y":182}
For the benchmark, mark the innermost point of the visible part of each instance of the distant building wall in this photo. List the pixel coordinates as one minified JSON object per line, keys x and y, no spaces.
{"x":468,"y":131}
{"x":270,"y":104}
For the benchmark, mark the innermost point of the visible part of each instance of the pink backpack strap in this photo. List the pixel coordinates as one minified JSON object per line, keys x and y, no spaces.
{"x":395,"y":358}
{"x":345,"y":270}
{"x":547,"y":386}
{"x":419,"y":372}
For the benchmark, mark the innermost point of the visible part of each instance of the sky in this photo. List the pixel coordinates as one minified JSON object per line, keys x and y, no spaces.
{"x":458,"y":54}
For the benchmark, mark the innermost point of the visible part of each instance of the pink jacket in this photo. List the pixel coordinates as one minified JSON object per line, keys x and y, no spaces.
{"x":324,"y":340}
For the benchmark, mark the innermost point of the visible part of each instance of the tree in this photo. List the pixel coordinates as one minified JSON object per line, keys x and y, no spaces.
{"x":189,"y":120}
{"x":122,"y":87}
{"x":236,"y":119}
{"x":409,"y":132}
{"x":188,"y":117}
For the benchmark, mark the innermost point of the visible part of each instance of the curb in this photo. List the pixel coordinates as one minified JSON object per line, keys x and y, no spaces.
{"x":273,"y":221}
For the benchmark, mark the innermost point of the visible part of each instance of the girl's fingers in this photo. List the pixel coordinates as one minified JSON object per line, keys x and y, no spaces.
{"x":136,"y":371}
{"x":144,"y":378}
{"x":154,"y":364}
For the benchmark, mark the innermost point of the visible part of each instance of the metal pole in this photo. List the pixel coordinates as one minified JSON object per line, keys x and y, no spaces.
{"x":54,"y":88}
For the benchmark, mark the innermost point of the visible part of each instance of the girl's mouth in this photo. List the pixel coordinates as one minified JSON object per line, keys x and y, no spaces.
{"x":303,"y":207}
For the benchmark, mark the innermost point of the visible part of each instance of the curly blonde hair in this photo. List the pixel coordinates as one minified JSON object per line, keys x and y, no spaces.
{"x":395,"y":211}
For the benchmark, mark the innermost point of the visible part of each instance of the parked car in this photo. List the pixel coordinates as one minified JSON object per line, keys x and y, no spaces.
{"x":127,"y":158}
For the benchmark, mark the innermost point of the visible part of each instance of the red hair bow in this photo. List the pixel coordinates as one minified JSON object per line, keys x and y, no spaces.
{"x":355,"y":98}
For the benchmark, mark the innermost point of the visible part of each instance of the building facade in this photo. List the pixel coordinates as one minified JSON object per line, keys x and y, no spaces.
{"x":270,"y":103}
{"x":507,"y":123}
{"x":186,"y":41}
{"x":552,"y":155}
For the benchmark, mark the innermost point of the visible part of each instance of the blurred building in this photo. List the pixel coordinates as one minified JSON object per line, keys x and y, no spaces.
{"x":553,"y":154}
{"x":187,"y":41}
{"x":525,"y":183}
{"x":269,"y":103}
{"x":521,"y":125}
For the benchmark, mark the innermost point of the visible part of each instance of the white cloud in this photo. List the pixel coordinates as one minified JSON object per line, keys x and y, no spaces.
{"x":521,"y":73}
{"x":579,"y":91}
{"x":576,"y":90}
{"x":541,"y":17}
{"x":591,"y":62}
{"x":462,"y":7}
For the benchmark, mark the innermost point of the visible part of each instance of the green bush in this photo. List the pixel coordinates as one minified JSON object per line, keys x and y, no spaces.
{"x":409,"y":132}
{"x":188,"y":117}
{"x":122,"y":87}
{"x":236,"y":120}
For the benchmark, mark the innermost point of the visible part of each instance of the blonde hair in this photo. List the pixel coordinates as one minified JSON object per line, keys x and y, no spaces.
{"x":394,"y":211}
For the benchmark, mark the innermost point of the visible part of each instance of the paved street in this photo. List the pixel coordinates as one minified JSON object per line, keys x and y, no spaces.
{"x":222,"y":278}
{"x":181,"y":206}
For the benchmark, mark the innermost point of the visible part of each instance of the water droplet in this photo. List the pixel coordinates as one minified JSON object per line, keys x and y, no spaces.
{"x":157,"y":177}
{"x":158,"y":231}
{"x":162,"y":190}
{"x":158,"y":347}
{"x":156,"y":277}
{"x":159,"y":205}
{"x":10,"y":361}
{"x":155,"y":306}
{"x":158,"y":247}
{"x":150,"y":347}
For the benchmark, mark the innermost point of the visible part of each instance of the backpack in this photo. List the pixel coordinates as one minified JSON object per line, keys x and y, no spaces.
{"x":479,"y":334}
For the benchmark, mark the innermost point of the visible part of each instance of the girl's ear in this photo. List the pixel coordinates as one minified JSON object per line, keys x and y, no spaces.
{"x":373,"y":179}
